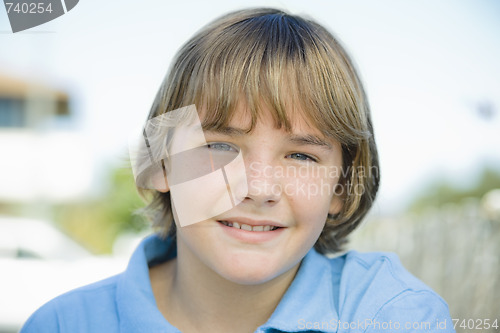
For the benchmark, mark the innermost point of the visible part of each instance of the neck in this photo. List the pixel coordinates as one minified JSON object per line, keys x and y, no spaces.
{"x":195,"y":298}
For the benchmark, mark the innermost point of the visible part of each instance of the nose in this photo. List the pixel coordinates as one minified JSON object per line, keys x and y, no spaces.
{"x":264,"y":186}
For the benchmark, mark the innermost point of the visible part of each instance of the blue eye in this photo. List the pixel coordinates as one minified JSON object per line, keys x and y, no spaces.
{"x":301,"y":157}
{"x":219,"y":146}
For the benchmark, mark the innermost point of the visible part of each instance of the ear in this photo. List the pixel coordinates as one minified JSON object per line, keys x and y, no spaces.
{"x":337,"y":201}
{"x":336,"y":205}
{"x":159,"y":181}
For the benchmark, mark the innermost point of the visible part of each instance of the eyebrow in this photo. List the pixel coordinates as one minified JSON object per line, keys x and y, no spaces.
{"x":303,"y":140}
{"x":309,"y":139}
{"x":227,"y":130}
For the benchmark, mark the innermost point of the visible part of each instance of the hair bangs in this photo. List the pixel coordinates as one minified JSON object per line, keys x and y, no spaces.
{"x":283,"y":65}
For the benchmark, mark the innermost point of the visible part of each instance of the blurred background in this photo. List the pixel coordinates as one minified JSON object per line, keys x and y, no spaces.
{"x":73,"y":89}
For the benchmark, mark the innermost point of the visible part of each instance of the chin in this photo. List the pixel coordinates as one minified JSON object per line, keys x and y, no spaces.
{"x":251,"y":269}
{"x":248,"y":278}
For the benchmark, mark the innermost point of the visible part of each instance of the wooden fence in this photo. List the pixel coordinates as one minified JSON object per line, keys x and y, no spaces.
{"x":455,"y":249}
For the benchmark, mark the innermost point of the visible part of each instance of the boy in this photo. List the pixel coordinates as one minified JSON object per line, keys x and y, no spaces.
{"x":285,"y":169}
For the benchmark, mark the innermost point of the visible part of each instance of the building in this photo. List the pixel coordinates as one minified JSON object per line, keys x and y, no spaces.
{"x":42,"y":157}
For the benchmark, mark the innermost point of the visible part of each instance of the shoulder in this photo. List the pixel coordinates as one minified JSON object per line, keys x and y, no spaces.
{"x":375,"y":287}
{"x":78,"y":310}
{"x":379,"y":268}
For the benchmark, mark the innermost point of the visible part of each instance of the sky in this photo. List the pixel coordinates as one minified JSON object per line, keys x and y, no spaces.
{"x":426,"y":65}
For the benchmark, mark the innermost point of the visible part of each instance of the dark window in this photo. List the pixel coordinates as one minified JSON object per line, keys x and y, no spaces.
{"x":26,"y":254}
{"x":62,"y":108}
{"x":11,"y":112}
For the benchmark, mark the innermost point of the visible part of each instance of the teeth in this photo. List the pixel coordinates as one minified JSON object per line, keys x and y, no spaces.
{"x":249,"y":227}
{"x":246,"y":227}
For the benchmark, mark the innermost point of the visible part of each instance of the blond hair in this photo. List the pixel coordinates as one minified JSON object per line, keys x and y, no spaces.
{"x":292,"y":65}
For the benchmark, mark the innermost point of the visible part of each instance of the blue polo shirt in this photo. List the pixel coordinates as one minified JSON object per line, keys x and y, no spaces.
{"x":355,"y":292}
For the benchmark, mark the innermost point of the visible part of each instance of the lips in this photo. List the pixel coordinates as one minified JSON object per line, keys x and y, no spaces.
{"x":249,"y":224}
{"x":248,"y":227}
{"x":251,"y":231}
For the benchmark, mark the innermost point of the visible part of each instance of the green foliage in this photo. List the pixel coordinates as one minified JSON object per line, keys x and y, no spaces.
{"x":96,"y":223}
{"x":442,"y":192}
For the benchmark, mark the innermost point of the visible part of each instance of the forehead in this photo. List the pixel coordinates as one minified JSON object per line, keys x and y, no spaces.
{"x":293,"y":121}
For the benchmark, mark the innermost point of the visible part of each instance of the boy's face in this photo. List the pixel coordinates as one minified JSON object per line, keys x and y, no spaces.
{"x":291,"y":180}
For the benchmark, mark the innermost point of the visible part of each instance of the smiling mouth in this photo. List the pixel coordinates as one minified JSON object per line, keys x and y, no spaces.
{"x":248,"y":227}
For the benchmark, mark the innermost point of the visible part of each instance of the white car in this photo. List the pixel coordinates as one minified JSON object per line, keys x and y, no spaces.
{"x":39,"y":262}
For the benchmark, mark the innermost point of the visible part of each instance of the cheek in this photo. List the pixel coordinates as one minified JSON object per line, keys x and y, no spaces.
{"x":314,"y":192}
{"x":189,"y":234}
{"x":311,"y":201}
{"x":199,"y":241}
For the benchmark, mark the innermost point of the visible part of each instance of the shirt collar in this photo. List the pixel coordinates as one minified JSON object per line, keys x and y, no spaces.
{"x":307,"y":305}
{"x":135,"y":300}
